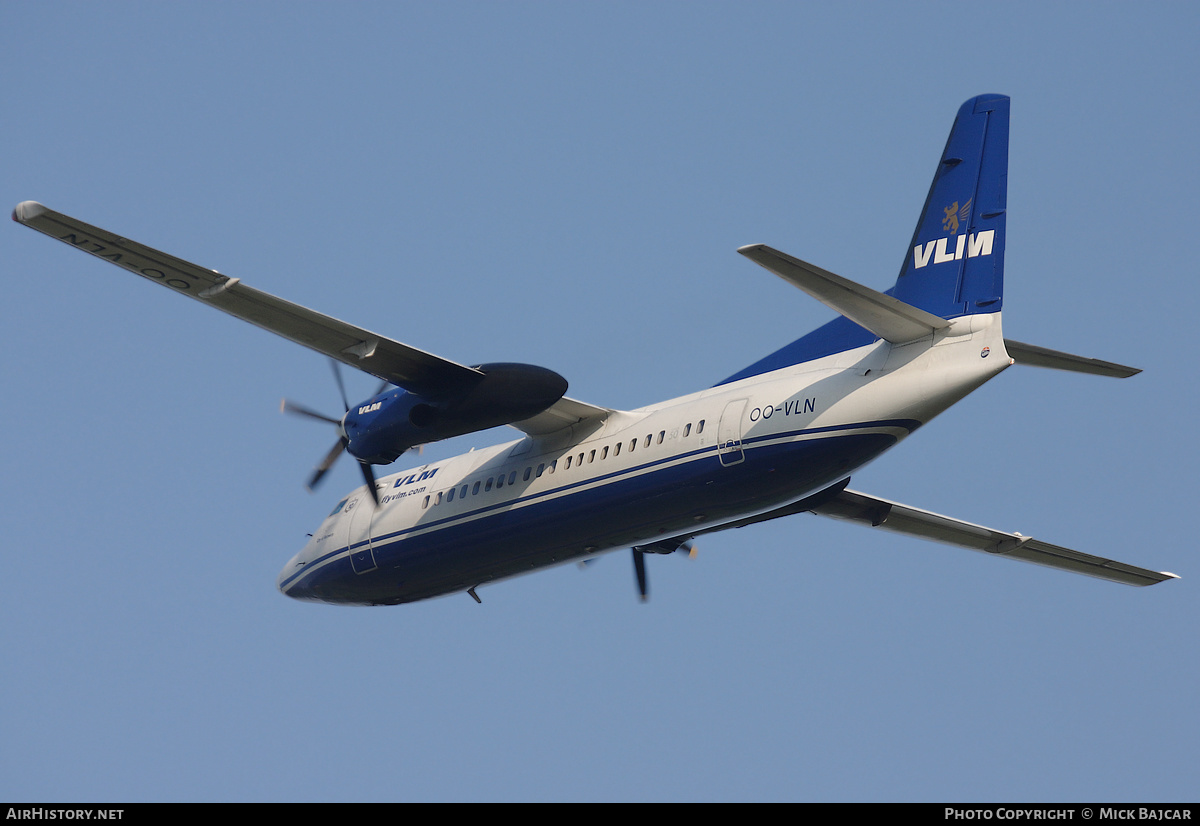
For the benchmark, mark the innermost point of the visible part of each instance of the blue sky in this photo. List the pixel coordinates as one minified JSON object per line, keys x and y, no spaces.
{"x":566,"y":184}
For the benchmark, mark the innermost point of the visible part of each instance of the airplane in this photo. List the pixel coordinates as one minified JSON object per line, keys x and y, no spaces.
{"x":780,"y":437}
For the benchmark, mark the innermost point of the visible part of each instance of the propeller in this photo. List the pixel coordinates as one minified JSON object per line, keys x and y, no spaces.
{"x":336,"y":451}
{"x":639,"y":560}
{"x":639,"y":569}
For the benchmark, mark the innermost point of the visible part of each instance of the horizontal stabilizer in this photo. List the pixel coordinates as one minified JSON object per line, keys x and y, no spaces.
{"x":885,"y":316}
{"x":1036,"y":356}
{"x":892,"y":516}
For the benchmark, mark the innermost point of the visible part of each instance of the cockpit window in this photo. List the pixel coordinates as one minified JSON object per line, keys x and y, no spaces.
{"x":340,"y":505}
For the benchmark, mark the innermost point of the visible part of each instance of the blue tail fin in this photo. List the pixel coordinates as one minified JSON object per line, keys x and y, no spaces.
{"x":955,"y":263}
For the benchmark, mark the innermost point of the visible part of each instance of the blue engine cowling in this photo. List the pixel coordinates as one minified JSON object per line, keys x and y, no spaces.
{"x":381,"y":428}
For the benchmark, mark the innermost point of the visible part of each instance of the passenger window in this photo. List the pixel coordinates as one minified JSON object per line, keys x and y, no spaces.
{"x":604,"y":453}
{"x":450,"y":495}
{"x":438,"y":501}
{"x":647,"y":440}
{"x":616,"y":450}
{"x":500,"y":481}
{"x":541,"y":469}
{"x":632,"y":445}
{"x":425,"y":504}
{"x":687,"y":429}
{"x":567,"y":466}
{"x":661,"y":435}
{"x":512,"y":477}
{"x":591,"y":457}
{"x":700,"y":427}
{"x":462,"y":493}
{"x":553,"y":465}
{"x":475,"y":489}
{"x":528,"y":473}
{"x":488,"y":485}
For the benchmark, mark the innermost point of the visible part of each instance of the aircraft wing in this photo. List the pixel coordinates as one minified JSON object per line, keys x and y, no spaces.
{"x":415,"y":370}
{"x":892,"y":516}
{"x":564,"y":413}
{"x":842,"y":503}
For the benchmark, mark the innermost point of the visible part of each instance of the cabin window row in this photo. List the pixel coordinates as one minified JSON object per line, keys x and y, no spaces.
{"x":601,"y":453}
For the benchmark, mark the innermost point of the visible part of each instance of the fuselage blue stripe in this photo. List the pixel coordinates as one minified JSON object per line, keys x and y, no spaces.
{"x":636,"y":472}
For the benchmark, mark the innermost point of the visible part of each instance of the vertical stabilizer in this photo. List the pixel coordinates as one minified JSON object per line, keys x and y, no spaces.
{"x":955,"y":263}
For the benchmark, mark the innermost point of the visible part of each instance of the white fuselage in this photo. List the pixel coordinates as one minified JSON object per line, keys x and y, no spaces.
{"x":663,"y":471}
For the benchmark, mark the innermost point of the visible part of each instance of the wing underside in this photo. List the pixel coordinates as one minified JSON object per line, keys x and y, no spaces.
{"x":563,"y":414}
{"x":404,"y":366}
{"x":416,"y":371}
{"x":839,"y":502}
{"x":905,"y":519}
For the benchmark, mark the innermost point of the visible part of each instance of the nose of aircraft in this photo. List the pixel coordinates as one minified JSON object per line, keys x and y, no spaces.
{"x":288,"y":582}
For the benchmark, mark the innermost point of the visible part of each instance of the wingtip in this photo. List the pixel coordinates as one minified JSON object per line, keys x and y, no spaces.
{"x":1156,"y":578}
{"x":27,"y":211}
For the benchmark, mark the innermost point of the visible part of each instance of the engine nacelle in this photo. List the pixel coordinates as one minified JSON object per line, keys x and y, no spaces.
{"x":384,"y":426}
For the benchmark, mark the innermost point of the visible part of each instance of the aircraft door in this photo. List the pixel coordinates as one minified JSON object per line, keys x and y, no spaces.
{"x":729,"y":434}
{"x":361,"y":514}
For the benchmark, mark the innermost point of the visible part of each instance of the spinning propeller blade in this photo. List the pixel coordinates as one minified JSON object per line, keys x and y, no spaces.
{"x":639,"y":568}
{"x":666,"y":546}
{"x":337,"y":376}
{"x":339,"y":448}
{"x":369,"y":478}
{"x":326,"y":463}
{"x":288,"y":406}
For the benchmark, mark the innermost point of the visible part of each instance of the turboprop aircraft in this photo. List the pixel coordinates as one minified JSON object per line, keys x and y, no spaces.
{"x":778,"y":438}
